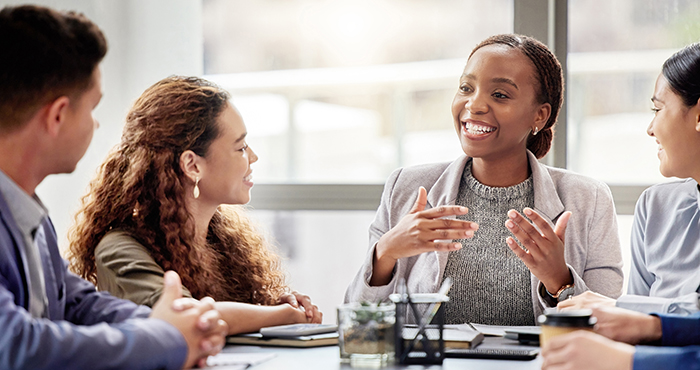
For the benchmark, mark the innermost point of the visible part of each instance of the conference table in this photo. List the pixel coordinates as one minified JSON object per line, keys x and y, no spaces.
{"x":328,"y":358}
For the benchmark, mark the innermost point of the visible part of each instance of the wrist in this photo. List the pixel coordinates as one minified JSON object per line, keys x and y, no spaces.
{"x":553,"y":286}
{"x":382,"y":267}
{"x":291,"y":315}
{"x":381,"y":250}
{"x":652,"y":330}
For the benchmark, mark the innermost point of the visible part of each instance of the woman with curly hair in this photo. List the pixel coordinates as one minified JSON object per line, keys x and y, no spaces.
{"x":165,"y":199}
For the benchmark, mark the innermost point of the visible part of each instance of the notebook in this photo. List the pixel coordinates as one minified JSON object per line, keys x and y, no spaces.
{"x":304,"y":341}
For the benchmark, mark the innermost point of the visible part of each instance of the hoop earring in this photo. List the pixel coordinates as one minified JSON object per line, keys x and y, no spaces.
{"x":196,"y":188}
{"x":535,"y":131}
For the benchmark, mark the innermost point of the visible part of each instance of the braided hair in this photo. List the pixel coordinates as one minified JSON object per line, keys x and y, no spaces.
{"x":550,"y":83}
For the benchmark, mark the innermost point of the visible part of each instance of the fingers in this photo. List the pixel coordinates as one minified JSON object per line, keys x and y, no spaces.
{"x":447,"y":234}
{"x":305,"y":301}
{"x":289,"y":298}
{"x":318,"y":317}
{"x":172,"y":287}
{"x":560,"y":227}
{"x":444,"y":211}
{"x":208,"y":320}
{"x":520,"y":252}
{"x":545,"y":229}
{"x":524,"y":232}
{"x":569,"y":304}
{"x":183,"y":304}
{"x":443,"y":246}
{"x":555,"y":353}
{"x":421,"y":201}
{"x":448,"y":224}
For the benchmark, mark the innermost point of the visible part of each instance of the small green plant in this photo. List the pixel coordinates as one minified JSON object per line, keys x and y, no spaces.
{"x":370,"y":311}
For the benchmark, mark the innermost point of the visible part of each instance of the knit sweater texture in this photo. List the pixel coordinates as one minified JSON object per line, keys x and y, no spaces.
{"x":491,"y":284}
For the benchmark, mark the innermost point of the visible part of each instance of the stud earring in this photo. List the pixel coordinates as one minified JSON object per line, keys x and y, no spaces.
{"x":535,"y":131}
{"x":196,"y":188}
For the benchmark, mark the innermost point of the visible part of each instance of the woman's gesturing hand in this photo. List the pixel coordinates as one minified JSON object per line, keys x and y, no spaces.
{"x":545,"y":250}
{"x":418,"y":232}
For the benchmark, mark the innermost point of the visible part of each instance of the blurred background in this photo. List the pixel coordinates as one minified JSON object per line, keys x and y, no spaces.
{"x":337,"y":94}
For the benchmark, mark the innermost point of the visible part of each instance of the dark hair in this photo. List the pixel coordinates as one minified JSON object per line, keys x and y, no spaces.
{"x":549,"y":79}
{"x":44,"y":54}
{"x":682,"y":71}
{"x":140,"y":189}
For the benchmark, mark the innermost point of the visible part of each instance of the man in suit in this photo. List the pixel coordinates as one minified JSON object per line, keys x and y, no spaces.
{"x":50,"y":318}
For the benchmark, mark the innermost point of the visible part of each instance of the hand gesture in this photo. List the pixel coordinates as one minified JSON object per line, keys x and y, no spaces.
{"x":627,"y":326}
{"x":418,"y":232}
{"x":587,"y":299}
{"x":545,"y":251}
{"x":583,"y":350}
{"x":199,"y":323}
{"x":313,"y":315}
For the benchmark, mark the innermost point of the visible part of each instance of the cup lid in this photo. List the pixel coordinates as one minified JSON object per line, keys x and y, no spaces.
{"x":573,"y":318}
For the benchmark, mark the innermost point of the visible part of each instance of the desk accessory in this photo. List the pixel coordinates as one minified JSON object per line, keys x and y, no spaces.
{"x":424,"y":343}
{"x":521,"y":354}
{"x":296,"y":330}
{"x":304,"y":341}
{"x":561,"y":322}
{"x":525,"y":336}
{"x":238,"y":360}
{"x":366,"y":333}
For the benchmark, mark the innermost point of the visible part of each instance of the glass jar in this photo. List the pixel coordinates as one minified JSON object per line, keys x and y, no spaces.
{"x":366,"y":333}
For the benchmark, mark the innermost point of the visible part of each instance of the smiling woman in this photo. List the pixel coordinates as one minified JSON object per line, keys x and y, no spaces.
{"x":162,"y":201}
{"x":504,"y":111}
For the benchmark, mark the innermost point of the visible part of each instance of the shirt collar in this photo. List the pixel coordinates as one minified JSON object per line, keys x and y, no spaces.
{"x":28,"y":211}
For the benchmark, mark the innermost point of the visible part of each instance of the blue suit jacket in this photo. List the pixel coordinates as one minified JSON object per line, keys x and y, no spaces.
{"x":677,"y":331}
{"x":85,"y":329}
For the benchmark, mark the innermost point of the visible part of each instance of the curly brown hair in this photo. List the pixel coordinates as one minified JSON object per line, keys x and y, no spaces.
{"x":140,"y":189}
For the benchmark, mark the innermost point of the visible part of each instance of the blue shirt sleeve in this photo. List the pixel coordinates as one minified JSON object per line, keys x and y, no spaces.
{"x":666,"y":358}
{"x":640,"y":279}
{"x":680,"y":330}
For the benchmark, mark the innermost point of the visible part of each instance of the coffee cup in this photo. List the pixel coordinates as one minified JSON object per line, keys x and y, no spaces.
{"x":562,"y":322}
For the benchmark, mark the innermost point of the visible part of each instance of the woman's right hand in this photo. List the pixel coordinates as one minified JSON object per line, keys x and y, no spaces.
{"x":627,"y":326}
{"x":418,"y":232}
{"x":587,"y":299}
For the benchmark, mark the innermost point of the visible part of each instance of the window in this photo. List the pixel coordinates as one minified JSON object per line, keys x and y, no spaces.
{"x":340,"y":93}
{"x":345,"y":91}
{"x":616,"y":50}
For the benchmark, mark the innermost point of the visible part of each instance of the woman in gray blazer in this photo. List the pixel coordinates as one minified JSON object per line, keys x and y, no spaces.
{"x":459,"y":219}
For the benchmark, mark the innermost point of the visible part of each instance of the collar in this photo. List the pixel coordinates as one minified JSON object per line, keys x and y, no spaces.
{"x":547,"y":202}
{"x":28,"y":211}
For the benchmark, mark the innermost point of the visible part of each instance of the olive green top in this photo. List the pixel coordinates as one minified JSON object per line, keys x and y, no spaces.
{"x":126,"y":269}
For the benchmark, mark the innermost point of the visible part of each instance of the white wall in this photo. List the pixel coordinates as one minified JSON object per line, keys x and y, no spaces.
{"x":148,"y":40}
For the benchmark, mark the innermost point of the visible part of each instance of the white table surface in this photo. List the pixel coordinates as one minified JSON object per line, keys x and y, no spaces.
{"x":328,"y":358}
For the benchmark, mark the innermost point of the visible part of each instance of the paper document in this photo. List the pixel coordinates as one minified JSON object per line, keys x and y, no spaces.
{"x":231,"y":361}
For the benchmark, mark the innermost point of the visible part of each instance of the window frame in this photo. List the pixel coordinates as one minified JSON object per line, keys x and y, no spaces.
{"x":545,"y":20}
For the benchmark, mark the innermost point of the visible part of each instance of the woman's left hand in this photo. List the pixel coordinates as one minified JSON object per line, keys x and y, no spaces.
{"x":313,"y":315}
{"x":545,"y":251}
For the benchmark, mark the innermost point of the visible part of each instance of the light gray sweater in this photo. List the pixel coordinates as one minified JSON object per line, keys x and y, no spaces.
{"x":485,"y":263}
{"x":592,"y":249}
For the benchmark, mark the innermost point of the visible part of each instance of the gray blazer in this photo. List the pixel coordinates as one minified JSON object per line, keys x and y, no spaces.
{"x":592,"y":249}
